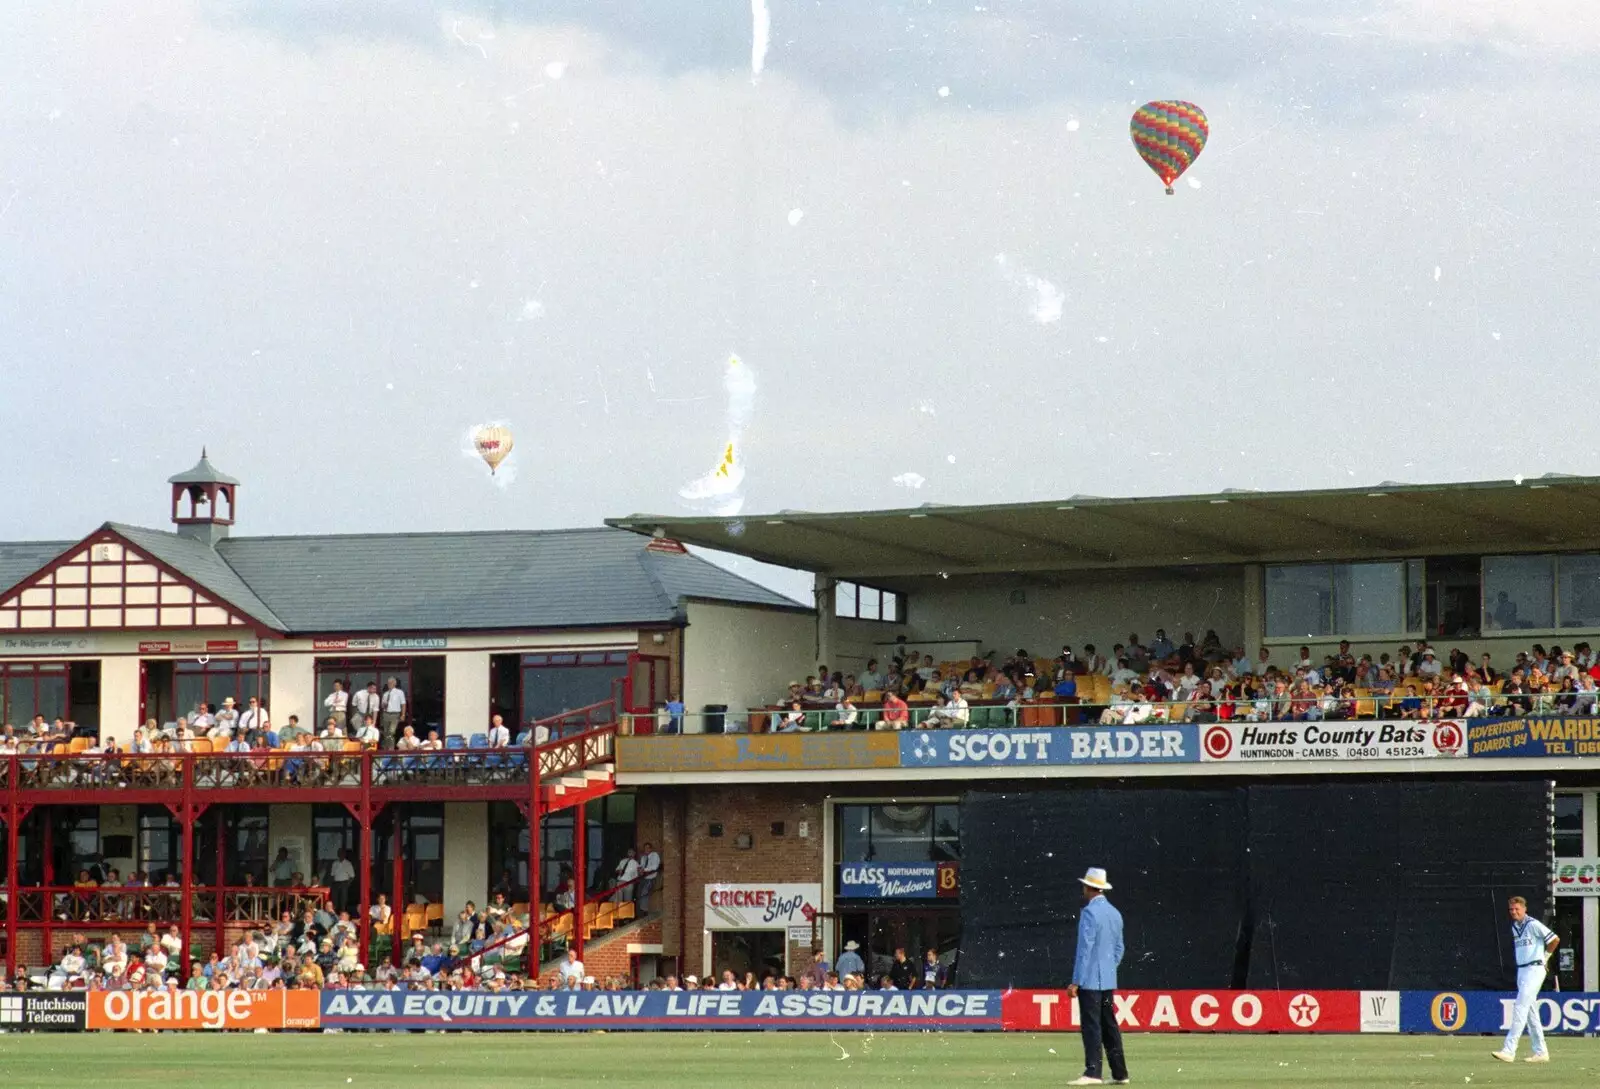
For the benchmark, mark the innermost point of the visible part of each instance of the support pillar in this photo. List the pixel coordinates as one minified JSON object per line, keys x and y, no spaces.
{"x":49,"y":882}
{"x":397,"y":901}
{"x":221,"y":878}
{"x":580,"y":873}
{"x":535,"y":949}
{"x":186,"y":819}
{"x":13,"y":834}
{"x":362,"y":812}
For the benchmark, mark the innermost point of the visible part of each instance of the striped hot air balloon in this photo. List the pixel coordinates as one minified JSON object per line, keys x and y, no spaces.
{"x":493,"y":445}
{"x":1169,"y":137}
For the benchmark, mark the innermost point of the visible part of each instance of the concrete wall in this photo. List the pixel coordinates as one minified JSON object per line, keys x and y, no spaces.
{"x":119,"y":698}
{"x":290,"y":826}
{"x":1100,"y":607}
{"x":743,"y":657}
{"x":466,"y":693}
{"x":466,"y":855}
{"x":294,"y":691}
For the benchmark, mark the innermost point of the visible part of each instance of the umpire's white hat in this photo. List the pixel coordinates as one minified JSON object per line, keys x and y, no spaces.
{"x":1095,"y":878}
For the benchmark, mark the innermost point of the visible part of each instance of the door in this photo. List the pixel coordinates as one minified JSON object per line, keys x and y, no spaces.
{"x":763,"y":952}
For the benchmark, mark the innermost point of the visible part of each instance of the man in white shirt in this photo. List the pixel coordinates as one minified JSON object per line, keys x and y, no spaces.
{"x":408,"y":741}
{"x":1430,"y":666}
{"x":649,"y":873}
{"x":957,"y":711}
{"x":201,"y":720}
{"x":499,"y":736}
{"x":626,"y":873}
{"x":338,"y":705}
{"x":391,"y":708}
{"x":365,"y":702}
{"x":571,"y":969}
{"x":431,"y":743}
{"x":1123,"y":674}
{"x":368,"y":734}
{"x":341,"y":879}
{"x":228,"y":717}
{"x":253,"y":719}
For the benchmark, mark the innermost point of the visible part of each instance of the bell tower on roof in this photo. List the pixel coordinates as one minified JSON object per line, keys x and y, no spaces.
{"x":203,"y":502}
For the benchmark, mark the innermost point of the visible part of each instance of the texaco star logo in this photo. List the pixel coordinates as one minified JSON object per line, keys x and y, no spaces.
{"x":926,"y":750}
{"x":1304,"y":1010}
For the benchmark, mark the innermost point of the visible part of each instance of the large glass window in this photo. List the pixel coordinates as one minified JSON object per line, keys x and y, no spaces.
{"x":508,"y":849}
{"x":246,"y":829}
{"x":160,"y":843}
{"x":28,"y":689}
{"x":1579,"y":584}
{"x":610,"y":831}
{"x":856,"y":602}
{"x":195,"y":682}
{"x":1569,"y":826}
{"x":332,"y":829}
{"x":553,"y":683}
{"x":1519,"y":592}
{"x":899,"y":833}
{"x":1326,"y":599}
{"x":356,"y":674}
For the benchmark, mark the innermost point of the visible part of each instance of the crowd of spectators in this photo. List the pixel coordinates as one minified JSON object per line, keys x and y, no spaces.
{"x":1194,"y":681}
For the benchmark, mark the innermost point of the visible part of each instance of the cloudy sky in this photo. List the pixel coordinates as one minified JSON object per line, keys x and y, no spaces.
{"x":326,"y":239}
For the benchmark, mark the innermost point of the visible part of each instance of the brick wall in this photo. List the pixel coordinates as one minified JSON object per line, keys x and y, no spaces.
{"x":692,"y":858}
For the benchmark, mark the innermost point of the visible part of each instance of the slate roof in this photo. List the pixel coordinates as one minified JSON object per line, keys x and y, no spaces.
{"x":19,"y":559}
{"x":478,"y":581}
{"x":432,"y":582}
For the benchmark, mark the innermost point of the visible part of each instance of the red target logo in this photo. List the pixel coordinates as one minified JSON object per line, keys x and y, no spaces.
{"x":1217,"y":742}
{"x":1447,"y":738}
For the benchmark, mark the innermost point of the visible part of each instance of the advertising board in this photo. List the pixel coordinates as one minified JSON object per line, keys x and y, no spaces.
{"x":44,"y":1011}
{"x":1534,"y":736}
{"x":761,"y":907}
{"x":1174,"y":744}
{"x":1194,"y":1011}
{"x":899,"y":880}
{"x":1490,"y":1011}
{"x":1360,"y":740}
{"x":149,"y":1011}
{"x":480,"y":1011}
{"x":1576,"y":877}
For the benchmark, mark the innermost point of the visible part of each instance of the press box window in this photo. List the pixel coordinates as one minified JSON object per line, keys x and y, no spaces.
{"x":856,"y":602}
{"x":1541,"y":592}
{"x":1333,"y":599}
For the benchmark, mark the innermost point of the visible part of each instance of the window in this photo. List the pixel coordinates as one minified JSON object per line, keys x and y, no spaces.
{"x":357,"y":673}
{"x":27,"y":689}
{"x":160,"y":843}
{"x":1541,"y":592}
{"x":1326,"y":599}
{"x":856,"y":602}
{"x":332,"y":829}
{"x":899,"y":833}
{"x":610,"y":831}
{"x":1569,"y":826}
{"x":246,"y":830}
{"x":553,"y":683}
{"x":508,"y":849}
{"x":211,"y":682}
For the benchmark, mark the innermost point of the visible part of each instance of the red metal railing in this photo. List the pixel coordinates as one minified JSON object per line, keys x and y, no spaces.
{"x":112,"y":907}
{"x":580,"y":740}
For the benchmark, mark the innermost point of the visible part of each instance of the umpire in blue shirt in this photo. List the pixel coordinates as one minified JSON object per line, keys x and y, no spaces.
{"x":1094,"y":981}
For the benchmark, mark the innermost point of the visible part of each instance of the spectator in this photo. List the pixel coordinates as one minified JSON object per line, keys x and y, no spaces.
{"x":626,"y":873}
{"x":850,"y":962}
{"x":934,"y":974}
{"x":499,"y":736}
{"x":844,"y":715}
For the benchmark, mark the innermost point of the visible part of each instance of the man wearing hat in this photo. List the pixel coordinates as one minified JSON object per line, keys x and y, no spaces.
{"x":850,"y":962}
{"x":1094,"y":980}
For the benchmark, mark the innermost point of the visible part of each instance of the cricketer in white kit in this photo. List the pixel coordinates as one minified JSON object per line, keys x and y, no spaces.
{"x":1532,"y":943}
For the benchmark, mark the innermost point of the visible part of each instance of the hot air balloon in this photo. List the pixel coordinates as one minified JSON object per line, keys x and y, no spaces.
{"x":493,"y":445}
{"x":1169,"y":137}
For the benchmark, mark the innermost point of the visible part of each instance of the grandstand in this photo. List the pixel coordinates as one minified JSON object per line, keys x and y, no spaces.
{"x":1174,"y":688}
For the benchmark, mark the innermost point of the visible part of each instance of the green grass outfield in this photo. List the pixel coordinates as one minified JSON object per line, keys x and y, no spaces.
{"x":724,"y":1060}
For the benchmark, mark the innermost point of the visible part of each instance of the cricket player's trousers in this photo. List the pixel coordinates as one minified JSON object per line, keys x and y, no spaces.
{"x":1097,"y":1013}
{"x":1523,"y":1014}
